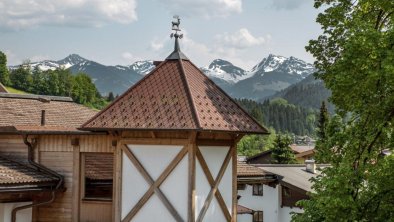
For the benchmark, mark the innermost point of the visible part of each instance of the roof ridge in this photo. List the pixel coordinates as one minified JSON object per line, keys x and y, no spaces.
{"x":36,"y":97}
{"x":189,"y":95}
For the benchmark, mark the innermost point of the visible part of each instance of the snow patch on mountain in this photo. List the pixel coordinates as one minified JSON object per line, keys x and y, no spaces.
{"x":225,"y":70}
{"x":143,"y":67}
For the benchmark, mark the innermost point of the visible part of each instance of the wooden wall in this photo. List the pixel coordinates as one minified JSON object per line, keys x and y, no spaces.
{"x":12,"y":146}
{"x":57,"y":153}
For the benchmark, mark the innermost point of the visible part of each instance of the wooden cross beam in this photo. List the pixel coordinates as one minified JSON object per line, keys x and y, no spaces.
{"x":154,"y":185}
{"x":211,"y":182}
{"x":214,"y":189}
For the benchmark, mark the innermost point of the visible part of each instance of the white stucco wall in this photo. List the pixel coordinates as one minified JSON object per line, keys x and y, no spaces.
{"x":154,"y":158}
{"x":244,"y":218}
{"x":22,"y":216}
{"x":269,"y":203}
{"x":214,"y":157}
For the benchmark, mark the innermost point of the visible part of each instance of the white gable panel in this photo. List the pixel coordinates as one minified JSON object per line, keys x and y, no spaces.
{"x":214,"y":156}
{"x":202,"y":188}
{"x":214,"y":213}
{"x":155,"y":158}
{"x":153,"y":210}
{"x":175,"y":187}
{"x":226,"y":187}
{"x":134,"y":185}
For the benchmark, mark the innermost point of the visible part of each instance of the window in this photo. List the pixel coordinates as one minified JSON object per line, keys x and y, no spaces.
{"x":258,"y":216}
{"x":241,"y":186}
{"x":97,"y":174}
{"x":257,"y":189}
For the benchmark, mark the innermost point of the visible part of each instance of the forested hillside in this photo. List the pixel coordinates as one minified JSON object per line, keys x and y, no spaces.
{"x":282,"y":116}
{"x":59,"y":82}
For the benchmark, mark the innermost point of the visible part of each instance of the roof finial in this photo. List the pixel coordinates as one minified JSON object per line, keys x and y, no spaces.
{"x":175,"y":27}
{"x":177,"y":54}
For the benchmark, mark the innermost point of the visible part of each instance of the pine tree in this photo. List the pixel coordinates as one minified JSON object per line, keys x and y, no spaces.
{"x":111,"y":97}
{"x":282,"y":153}
{"x":323,"y":120}
{"x":4,"y":75}
{"x":257,"y":114}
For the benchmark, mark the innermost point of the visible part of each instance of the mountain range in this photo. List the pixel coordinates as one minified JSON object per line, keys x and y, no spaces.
{"x":266,"y":79}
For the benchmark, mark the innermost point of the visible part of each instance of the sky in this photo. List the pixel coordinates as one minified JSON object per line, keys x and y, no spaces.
{"x":121,"y":32}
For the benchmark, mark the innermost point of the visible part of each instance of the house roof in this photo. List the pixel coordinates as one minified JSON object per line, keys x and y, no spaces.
{"x":246,"y":170}
{"x":13,"y":173}
{"x":293,"y":174}
{"x":3,"y":89}
{"x":99,"y":166}
{"x":22,"y":113}
{"x":243,"y":210}
{"x":301,"y":148}
{"x":176,"y":95}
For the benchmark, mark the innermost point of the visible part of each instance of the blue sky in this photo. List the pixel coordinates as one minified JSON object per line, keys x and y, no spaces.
{"x":124,"y":31}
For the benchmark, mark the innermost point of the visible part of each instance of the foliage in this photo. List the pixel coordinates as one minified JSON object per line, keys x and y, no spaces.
{"x":254,"y":144}
{"x":281,"y":152}
{"x":111,"y":97}
{"x":58,"y":82}
{"x":355,"y":56}
{"x":283,"y":117}
{"x":4,"y":75}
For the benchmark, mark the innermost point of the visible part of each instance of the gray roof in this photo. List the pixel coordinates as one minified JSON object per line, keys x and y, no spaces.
{"x":294,"y":174}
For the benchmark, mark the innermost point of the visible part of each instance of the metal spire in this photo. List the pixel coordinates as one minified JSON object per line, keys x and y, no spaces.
{"x":176,"y":54}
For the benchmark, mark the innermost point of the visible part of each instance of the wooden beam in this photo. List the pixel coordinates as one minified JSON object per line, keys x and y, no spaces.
{"x":214,"y":189}
{"x":76,"y":195}
{"x":209,"y":142}
{"x":153,"y":134}
{"x":234,"y":179}
{"x":192,"y":147}
{"x":154,"y":188}
{"x":154,"y":141}
{"x":211,"y":182}
{"x":117,"y":187}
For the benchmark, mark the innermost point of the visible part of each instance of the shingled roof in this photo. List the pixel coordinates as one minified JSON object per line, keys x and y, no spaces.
{"x":176,"y":95}
{"x":23,"y":113}
{"x":13,"y":173}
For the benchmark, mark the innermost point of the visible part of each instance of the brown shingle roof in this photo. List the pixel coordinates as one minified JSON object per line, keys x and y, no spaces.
{"x":14,"y":173}
{"x":99,"y":166}
{"x":175,"y":96}
{"x":243,"y":210}
{"x":246,"y":170}
{"x":23,"y":112}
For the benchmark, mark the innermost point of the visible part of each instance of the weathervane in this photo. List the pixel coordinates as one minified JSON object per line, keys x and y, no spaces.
{"x":175,"y":27}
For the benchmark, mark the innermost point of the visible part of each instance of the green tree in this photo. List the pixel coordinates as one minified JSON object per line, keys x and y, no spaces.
{"x":111,"y":97}
{"x":21,"y":78}
{"x":257,"y":114}
{"x":253,"y":144}
{"x":4,"y":75}
{"x":281,"y":152}
{"x":355,"y":59}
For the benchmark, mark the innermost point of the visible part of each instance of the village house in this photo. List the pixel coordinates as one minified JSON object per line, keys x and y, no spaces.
{"x":165,"y":150}
{"x":269,"y":192}
{"x":301,"y":152}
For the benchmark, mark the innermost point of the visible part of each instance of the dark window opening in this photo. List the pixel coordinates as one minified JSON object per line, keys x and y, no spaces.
{"x":98,"y":176}
{"x":258,"y":216}
{"x":258,"y":190}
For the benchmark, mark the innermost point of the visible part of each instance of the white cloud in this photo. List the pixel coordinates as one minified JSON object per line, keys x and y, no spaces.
{"x":156,"y":45}
{"x":240,"y":40}
{"x":289,"y":4}
{"x":129,"y":58}
{"x":19,"y":14}
{"x":203,"y":8}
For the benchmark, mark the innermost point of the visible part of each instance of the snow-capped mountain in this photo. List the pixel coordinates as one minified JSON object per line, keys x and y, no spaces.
{"x":290,"y":65}
{"x":142,"y":67}
{"x":271,"y":75}
{"x":226,"y":71}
